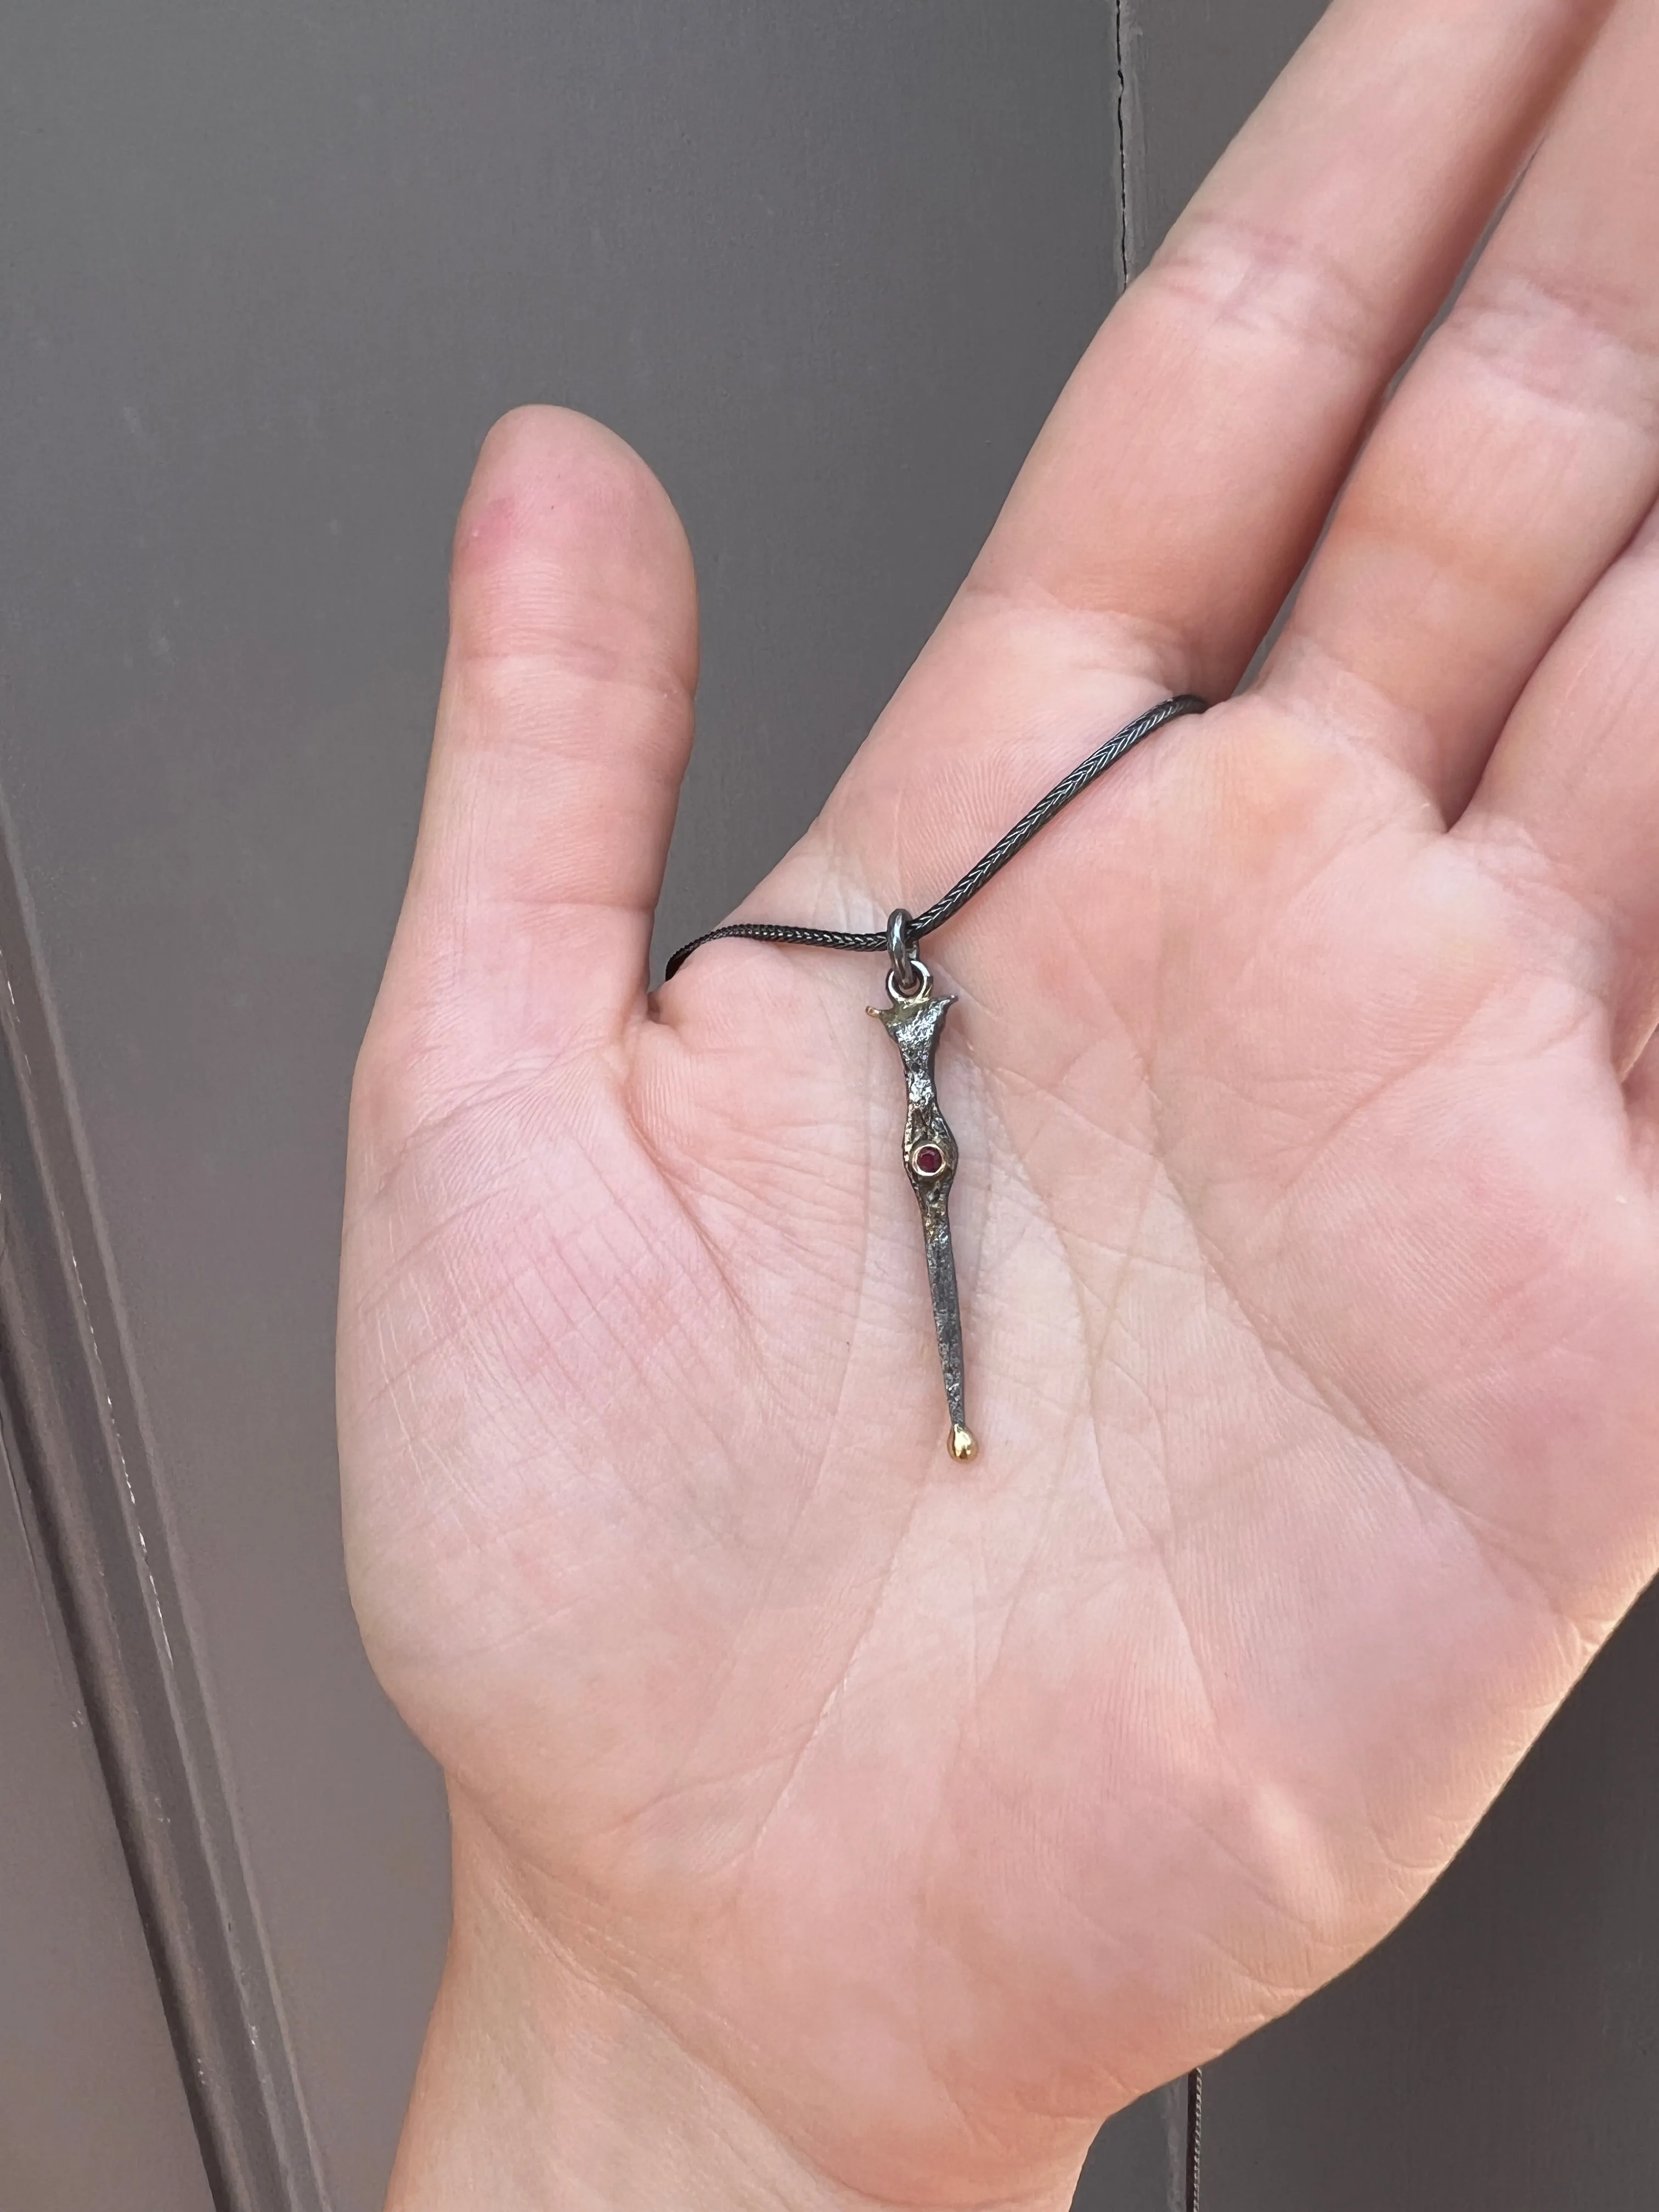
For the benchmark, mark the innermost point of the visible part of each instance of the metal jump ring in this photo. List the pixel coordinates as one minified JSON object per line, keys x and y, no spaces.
{"x":909,"y":979}
{"x":924,"y":977}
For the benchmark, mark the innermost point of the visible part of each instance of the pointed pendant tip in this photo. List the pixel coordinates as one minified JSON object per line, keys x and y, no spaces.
{"x":963,"y":1443}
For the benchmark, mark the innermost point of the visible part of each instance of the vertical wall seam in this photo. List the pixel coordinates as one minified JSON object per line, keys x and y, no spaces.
{"x":1121,"y":264}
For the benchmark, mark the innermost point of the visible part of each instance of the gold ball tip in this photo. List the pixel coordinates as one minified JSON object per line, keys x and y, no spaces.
{"x":962,"y":1443}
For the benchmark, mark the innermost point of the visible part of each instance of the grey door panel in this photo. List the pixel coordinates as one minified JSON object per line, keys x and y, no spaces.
{"x":78,"y":1452}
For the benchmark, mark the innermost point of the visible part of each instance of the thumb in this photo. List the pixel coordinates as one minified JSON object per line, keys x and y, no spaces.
{"x":563,"y":726}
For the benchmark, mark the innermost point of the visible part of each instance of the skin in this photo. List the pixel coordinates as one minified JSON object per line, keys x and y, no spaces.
{"x":835,"y":1825}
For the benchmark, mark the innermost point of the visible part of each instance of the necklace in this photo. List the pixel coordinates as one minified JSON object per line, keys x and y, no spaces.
{"x":914,"y":1018}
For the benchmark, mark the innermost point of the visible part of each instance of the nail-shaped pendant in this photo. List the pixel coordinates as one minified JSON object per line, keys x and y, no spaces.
{"x":913,"y":1022}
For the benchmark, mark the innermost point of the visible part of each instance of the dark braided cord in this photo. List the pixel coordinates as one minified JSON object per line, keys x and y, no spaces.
{"x":1195,"y":2138}
{"x":935,"y":916}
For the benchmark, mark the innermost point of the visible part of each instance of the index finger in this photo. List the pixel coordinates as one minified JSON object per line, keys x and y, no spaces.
{"x":1184,"y":475}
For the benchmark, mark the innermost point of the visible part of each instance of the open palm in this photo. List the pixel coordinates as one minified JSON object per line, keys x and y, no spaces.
{"x":1307,"y":1208}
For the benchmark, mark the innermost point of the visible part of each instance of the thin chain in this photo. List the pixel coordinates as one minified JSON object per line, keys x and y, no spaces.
{"x":1194,"y":2135}
{"x":935,"y":916}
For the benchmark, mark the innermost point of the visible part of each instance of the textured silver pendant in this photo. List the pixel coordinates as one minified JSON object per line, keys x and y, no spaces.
{"x":914,"y":1021}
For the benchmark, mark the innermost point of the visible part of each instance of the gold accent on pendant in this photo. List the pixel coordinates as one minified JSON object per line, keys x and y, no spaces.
{"x":963,"y":1445}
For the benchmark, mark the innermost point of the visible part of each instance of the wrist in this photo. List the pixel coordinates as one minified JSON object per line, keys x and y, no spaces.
{"x":544,"y":2088}
{"x":541,"y":2087}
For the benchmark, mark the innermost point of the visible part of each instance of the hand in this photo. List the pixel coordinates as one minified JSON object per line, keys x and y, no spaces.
{"x":838,"y":1824}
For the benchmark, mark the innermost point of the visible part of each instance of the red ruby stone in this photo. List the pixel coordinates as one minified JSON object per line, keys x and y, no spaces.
{"x":928,"y":1159}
